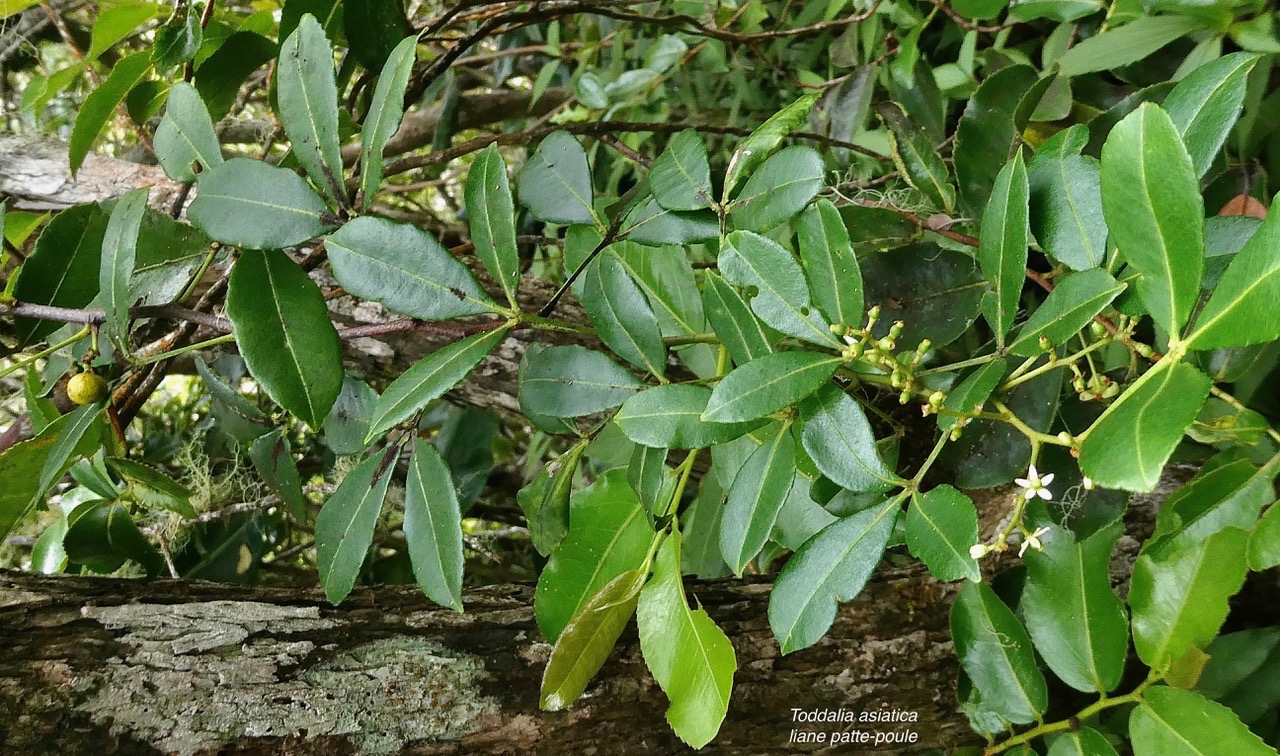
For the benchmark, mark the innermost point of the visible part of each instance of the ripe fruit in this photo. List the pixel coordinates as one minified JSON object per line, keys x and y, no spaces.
{"x":87,"y":388}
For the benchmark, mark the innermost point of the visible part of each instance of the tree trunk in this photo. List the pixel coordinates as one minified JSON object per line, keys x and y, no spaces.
{"x":131,"y":666}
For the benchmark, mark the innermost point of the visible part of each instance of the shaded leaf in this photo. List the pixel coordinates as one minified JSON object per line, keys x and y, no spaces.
{"x":185,"y":135}
{"x":555,"y":183}
{"x":1002,"y":251}
{"x":995,"y":651}
{"x":758,"y":492}
{"x":731,"y":319}
{"x":248,"y":203}
{"x":1241,"y":309}
{"x":345,"y":525}
{"x":916,"y":158}
{"x":681,"y":177}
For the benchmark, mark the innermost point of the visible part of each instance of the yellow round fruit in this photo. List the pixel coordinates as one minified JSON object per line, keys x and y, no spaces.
{"x":87,"y":388}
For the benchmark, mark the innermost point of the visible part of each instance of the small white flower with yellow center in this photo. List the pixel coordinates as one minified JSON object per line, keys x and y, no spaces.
{"x":1034,"y":485}
{"x":978,"y":550}
{"x":1033,"y":541}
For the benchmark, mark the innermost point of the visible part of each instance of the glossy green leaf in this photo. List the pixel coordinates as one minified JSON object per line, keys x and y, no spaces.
{"x":405,"y":268}
{"x":681,"y":176}
{"x":345,"y":525}
{"x":219,"y":77}
{"x":102,"y":535}
{"x":433,"y":527}
{"x":1231,"y":494}
{"x":119,"y":252}
{"x":621,"y":315}
{"x":941,"y":526}
{"x":1128,"y":445}
{"x":758,"y":492}
{"x":63,"y":268}
{"x":840,"y":441}
{"x":248,"y":203}
{"x":1085,"y":741}
{"x":988,"y":130}
{"x":830,"y":568}
{"x":1264,"y":541}
{"x":273,"y":458}
{"x":69,"y":444}
{"x":1241,"y":309}
{"x":781,"y":300}
{"x":1179,"y":594}
{"x":555,"y":183}
{"x":492,"y":214}
{"x":757,"y":147}
{"x":308,"y":97}
{"x":768,"y":384}
{"x":571,"y":381}
{"x":1077,"y":622}
{"x":185,"y":136}
{"x":373,"y":29}
{"x":1002,"y":251}
{"x":1204,"y":106}
{"x":916,"y":157}
{"x":547,"y":506}
{"x":667,"y":279}
{"x":1126,"y":44}
{"x":731,"y":319}
{"x":670,"y":417}
{"x":282,"y":328}
{"x":778,"y":189}
{"x":972,"y":393}
{"x":1072,"y":304}
{"x":1066,"y":200}
{"x":1172,"y":722}
{"x":995,"y":651}
{"x":179,"y":39}
{"x":650,"y":478}
{"x":100,"y":105}
{"x":585,"y":643}
{"x":689,"y":656}
{"x":648,"y":223}
{"x":1151,"y":200}
{"x":386,"y":110}
{"x":21,"y":467}
{"x":935,"y":292}
{"x":609,"y":533}
{"x":830,"y":266}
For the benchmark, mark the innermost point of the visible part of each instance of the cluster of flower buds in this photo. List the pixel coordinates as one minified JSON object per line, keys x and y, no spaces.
{"x":879,"y":352}
{"x":1096,"y":386}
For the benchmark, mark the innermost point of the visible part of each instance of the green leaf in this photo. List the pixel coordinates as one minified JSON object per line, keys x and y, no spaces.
{"x":650,"y":478}
{"x":345,"y":525}
{"x":1125,"y":44}
{"x":150,"y":487}
{"x":1231,"y":494}
{"x":758,"y":492}
{"x":609,"y":533}
{"x":373,"y":27}
{"x":1264,"y":541}
{"x":1172,"y":722}
{"x":1072,"y":304}
{"x":100,"y":105}
{"x":916,"y":157}
{"x":1128,"y":445}
{"x":185,"y":135}
{"x":830,"y":266}
{"x":227,"y":395}
{"x":273,"y":458}
{"x":68,"y":445}
{"x":748,"y":259}
{"x":731,"y":319}
{"x":1241,"y":309}
{"x":308,"y":97}
{"x":102,"y":535}
{"x":1179,"y":594}
{"x":21,"y":467}
{"x":757,"y":147}
{"x":282,"y":328}
{"x":989,"y":129}
{"x":248,"y":203}
{"x":1204,"y":106}
{"x":179,"y":39}
{"x":386,"y":110}
{"x":219,"y":77}
{"x":830,"y":568}
{"x":996,"y":653}
{"x":555,"y":183}
{"x":670,"y":417}
{"x":668,"y":282}
{"x":1085,"y":741}
{"x":841,"y":443}
{"x":119,"y":252}
{"x":405,"y":268}
{"x":433,"y":527}
{"x":621,"y":315}
{"x":492,"y":215}
{"x":547,"y":507}
{"x":689,"y":656}
{"x":1066,"y":200}
{"x":1077,"y":622}
{"x":571,"y":381}
{"x":972,"y":393}
{"x":778,"y":189}
{"x":1002,"y":251}
{"x":429,"y":379}
{"x":1151,"y":200}
{"x":63,"y":269}
{"x":935,"y":292}
{"x":585,"y":643}
{"x":681,"y":177}
{"x":649,"y":224}
{"x":941,"y":526}
{"x":768,"y":384}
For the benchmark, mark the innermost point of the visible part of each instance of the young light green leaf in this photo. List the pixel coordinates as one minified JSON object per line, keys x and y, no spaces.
{"x":583,"y":647}
{"x":1204,"y":106}
{"x":1085,"y":741}
{"x":100,"y":104}
{"x":689,"y":656}
{"x":1151,"y":200}
{"x":622,"y":316}
{"x":941,"y":526}
{"x":429,"y":379}
{"x":916,"y":157}
{"x":1241,"y":309}
{"x":830,"y":568}
{"x":555,"y":183}
{"x":119,"y":252}
{"x":765,"y":139}
{"x":185,"y":135}
{"x":1172,"y":722}
{"x":1264,"y":541}
{"x":282,"y":327}
{"x":433,"y":527}
{"x":758,"y":492}
{"x":345,"y":525}
{"x":841,"y":443}
{"x":748,"y":259}
{"x":492,"y":215}
{"x":767,"y":384}
{"x":1074,"y":301}
{"x":609,"y":533}
{"x":1128,"y":445}
{"x":70,"y":439}
{"x":670,"y":417}
{"x":1077,"y":622}
{"x":385,"y":112}
{"x":971,"y":393}
{"x":1002,"y":250}
{"x":405,"y":268}
{"x":308,"y":96}
{"x":1066,"y":200}
{"x":250,"y":204}
{"x":681,"y":177}
{"x":830,"y":266}
{"x":730,"y":317}
{"x":1179,"y":594}
{"x":571,"y":381}
{"x":1126,"y":44}
{"x":778,"y":189}
{"x":996,"y":653}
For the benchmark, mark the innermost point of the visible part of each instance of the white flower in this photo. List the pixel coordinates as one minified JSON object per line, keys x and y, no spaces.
{"x":978,"y":550}
{"x":1033,"y":540}
{"x":1088,"y":483}
{"x":1034,"y":485}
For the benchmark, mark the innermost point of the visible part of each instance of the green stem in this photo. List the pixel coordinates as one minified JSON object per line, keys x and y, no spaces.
{"x":20,"y":364}
{"x":225,"y":338}
{"x":974,"y":361}
{"x":1100,"y":705}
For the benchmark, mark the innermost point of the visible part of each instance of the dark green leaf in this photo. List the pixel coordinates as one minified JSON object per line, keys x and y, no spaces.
{"x":385,"y":113}
{"x":102,"y":535}
{"x":248,"y":203}
{"x":1241,"y":309}
{"x":681,"y":177}
{"x":988,"y":130}
{"x":1002,"y":252}
{"x":63,"y":268}
{"x":273,"y":458}
{"x":571,"y":381}
{"x":621,"y":315}
{"x":492,"y":215}
{"x":1072,"y":304}
{"x":179,"y":39}
{"x":648,"y":223}
{"x":768,"y":384}
{"x":778,"y":189}
{"x":649,"y":477}
{"x":583,"y":647}
{"x":841,"y":443}
{"x":1204,"y":105}
{"x":220,"y":391}
{"x":345,"y":525}
{"x":347,"y":425}
{"x":935,"y":292}
{"x":830,"y":267}
{"x":756,"y":148}
{"x":373,"y":28}
{"x":100,"y":105}
{"x":670,"y":417}
{"x":1264,"y":541}
{"x":219,"y":76}
{"x":1126,"y":44}
{"x":308,"y":96}
{"x":185,"y":135}
{"x":781,"y":300}
{"x":758,"y":492}
{"x":730,"y":317}
{"x":941,"y":526}
{"x":916,"y":157}
{"x":1172,"y":722}
{"x":555,"y":184}
{"x":1066,"y":200}
{"x":996,"y":653}
{"x":150,"y":487}
{"x":1085,"y":741}
{"x":119,"y":252}
{"x":433,"y":527}
{"x":972,"y":393}
{"x":547,"y":507}
{"x":70,"y":443}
